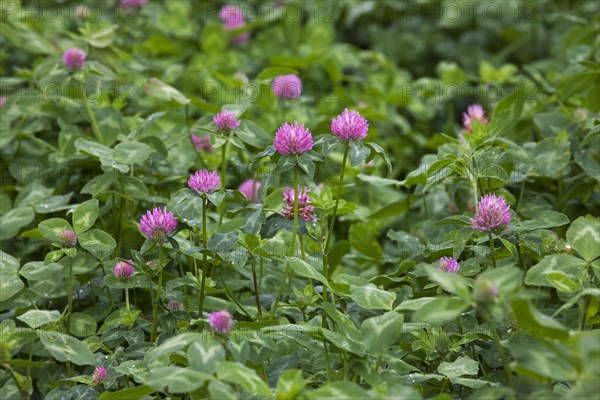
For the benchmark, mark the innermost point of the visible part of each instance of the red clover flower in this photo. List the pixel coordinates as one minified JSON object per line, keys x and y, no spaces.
{"x":158,"y":224}
{"x":492,"y":215}
{"x":293,"y":139}
{"x":350,"y":125}
{"x":204,"y":181}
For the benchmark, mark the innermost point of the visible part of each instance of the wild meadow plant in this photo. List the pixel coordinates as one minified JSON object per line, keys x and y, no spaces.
{"x":299,"y":200}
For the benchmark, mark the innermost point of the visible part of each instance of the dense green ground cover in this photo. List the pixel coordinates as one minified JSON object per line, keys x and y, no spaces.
{"x":340,"y":295}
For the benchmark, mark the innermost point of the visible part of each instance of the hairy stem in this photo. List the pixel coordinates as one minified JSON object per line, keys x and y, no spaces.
{"x":158,"y":292}
{"x":204,"y":266}
{"x":492,"y":249}
{"x":287,"y":271}
{"x":326,"y":271}
{"x":256,"y":289}
{"x":95,"y":127}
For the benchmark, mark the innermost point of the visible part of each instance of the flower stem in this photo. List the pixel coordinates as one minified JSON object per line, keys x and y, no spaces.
{"x":189,"y":128}
{"x":95,"y":127}
{"x":295,"y":224}
{"x":204,"y":266}
{"x":70,"y":298}
{"x":492,"y":249}
{"x":256,"y":289}
{"x":337,"y":199}
{"x":474,"y":185}
{"x":157,"y":300}
{"x":127,"y":299}
{"x":223,"y":180}
{"x":326,"y":271}
{"x":504,"y":358}
{"x":287,"y":271}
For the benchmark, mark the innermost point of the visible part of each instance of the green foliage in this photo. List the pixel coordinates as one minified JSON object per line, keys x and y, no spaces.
{"x":357,"y":307}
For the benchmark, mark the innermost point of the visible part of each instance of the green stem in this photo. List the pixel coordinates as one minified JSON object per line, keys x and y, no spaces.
{"x":70,"y":298}
{"x":295,"y":224}
{"x":110,"y":300}
{"x":378,"y":363}
{"x":158,"y":292}
{"x":42,"y":143}
{"x":520,"y":253}
{"x":337,"y":200}
{"x":504,"y":358}
{"x":408,"y":221}
{"x":256,"y":288}
{"x":327,"y":361}
{"x":492,"y":249}
{"x":127,"y":299}
{"x":120,"y":214}
{"x":474,"y":185}
{"x":223,"y":180}
{"x":287,"y":271}
{"x":326,"y":271}
{"x":203,"y":283}
{"x":95,"y":127}
{"x":189,"y":128}
{"x":302,"y":252}
{"x":521,"y":193}
{"x":193,"y":241}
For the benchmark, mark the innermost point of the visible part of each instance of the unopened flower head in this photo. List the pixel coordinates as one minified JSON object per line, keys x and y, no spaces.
{"x":202,"y":143}
{"x":293,"y":139}
{"x":99,"y":375}
{"x":124,"y":270}
{"x":492,"y":215}
{"x":474,"y":113}
{"x":287,"y":86}
{"x":226,"y":121}
{"x":220,"y":321}
{"x":158,"y":224}
{"x":250,"y":189}
{"x":74,"y":58}
{"x":204,"y":181}
{"x":174,"y":305}
{"x":128,"y":4}
{"x":67,"y":238}
{"x":350,"y":125}
{"x":484,"y":291}
{"x":233,"y":18}
{"x":448,"y":264}
{"x":305,"y":210}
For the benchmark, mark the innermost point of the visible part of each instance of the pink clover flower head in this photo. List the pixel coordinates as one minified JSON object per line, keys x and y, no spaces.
{"x":2,"y":100}
{"x":126,"y":4}
{"x":202,"y":143}
{"x":67,"y":238}
{"x":233,"y":18}
{"x":124,"y":270}
{"x":448,"y":264}
{"x":74,"y":58}
{"x":287,"y":86}
{"x":99,"y":375}
{"x":174,"y":305}
{"x":474,"y":113}
{"x":305,"y":210}
{"x":204,"y":181}
{"x":158,"y":224}
{"x":226,"y":121}
{"x":293,"y":139}
{"x":350,"y":125}
{"x":492,"y":215}
{"x":220,"y":321}
{"x":250,"y":189}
